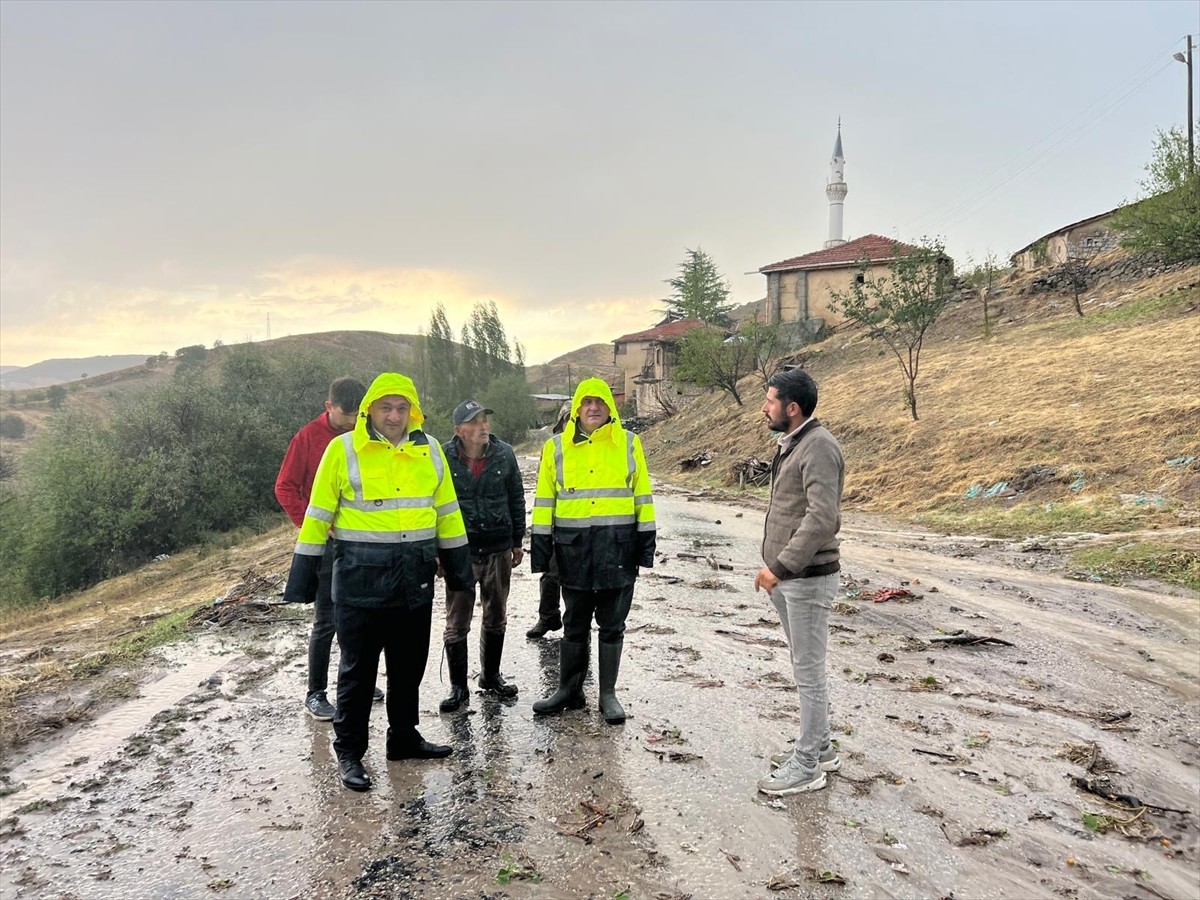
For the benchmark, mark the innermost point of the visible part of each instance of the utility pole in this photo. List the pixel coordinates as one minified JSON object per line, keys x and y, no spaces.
{"x":570,"y":387}
{"x":1187,"y":60}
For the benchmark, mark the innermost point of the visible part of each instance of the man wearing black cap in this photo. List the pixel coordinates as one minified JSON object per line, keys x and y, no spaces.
{"x":492,"y":498}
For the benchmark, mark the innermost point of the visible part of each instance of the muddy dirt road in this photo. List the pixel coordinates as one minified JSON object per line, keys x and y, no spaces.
{"x":213,"y":782}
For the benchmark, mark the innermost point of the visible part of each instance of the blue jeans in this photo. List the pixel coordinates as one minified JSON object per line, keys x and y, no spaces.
{"x":803,"y":605}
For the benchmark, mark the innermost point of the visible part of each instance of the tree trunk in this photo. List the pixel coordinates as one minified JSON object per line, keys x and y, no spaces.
{"x":912,"y":398}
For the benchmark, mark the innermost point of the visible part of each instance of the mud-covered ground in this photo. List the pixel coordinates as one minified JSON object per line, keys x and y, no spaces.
{"x":957,"y":760}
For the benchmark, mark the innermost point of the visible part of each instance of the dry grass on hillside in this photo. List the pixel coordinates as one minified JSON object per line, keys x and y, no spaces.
{"x":554,"y":377}
{"x":1111,"y":397}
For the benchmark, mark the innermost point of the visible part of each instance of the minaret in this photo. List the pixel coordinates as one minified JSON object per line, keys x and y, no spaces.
{"x":836,"y":190}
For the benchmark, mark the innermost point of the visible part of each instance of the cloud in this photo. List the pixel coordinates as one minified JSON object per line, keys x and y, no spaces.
{"x":299,"y":296}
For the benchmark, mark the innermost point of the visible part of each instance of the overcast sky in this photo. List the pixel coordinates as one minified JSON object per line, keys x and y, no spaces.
{"x":175,"y":173}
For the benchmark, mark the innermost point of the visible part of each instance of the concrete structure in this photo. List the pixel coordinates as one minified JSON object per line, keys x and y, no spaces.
{"x":1083,"y":238}
{"x":647,"y":358}
{"x":836,"y":190}
{"x":798,"y":289}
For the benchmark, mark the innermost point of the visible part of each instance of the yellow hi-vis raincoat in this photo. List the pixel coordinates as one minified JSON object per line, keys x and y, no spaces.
{"x":593,"y":508}
{"x":393,"y":511}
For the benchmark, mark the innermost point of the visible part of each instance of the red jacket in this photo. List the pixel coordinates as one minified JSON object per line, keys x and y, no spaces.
{"x":293,"y":487}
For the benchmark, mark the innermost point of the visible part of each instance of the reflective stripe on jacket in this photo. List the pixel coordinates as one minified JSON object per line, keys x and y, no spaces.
{"x":593,"y":508}
{"x":394,"y":513}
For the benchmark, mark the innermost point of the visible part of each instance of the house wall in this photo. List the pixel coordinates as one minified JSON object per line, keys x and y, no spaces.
{"x":803,"y":295}
{"x":1082,"y":240}
{"x":630,"y":356}
{"x":1092,"y":238}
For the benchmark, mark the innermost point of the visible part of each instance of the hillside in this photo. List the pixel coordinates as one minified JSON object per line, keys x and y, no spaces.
{"x":563,"y":372}
{"x":59,"y":371}
{"x":1107,"y":404}
{"x":365,"y":353}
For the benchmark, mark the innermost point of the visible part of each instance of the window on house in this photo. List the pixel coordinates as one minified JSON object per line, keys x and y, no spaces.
{"x":858,"y":279}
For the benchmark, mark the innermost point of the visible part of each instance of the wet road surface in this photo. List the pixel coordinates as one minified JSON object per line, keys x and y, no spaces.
{"x":215,"y":783}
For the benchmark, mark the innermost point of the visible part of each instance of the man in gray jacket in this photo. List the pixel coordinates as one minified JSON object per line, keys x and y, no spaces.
{"x":800,"y":556}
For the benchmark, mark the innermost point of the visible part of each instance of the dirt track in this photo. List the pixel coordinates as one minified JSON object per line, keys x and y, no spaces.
{"x":213,"y":781}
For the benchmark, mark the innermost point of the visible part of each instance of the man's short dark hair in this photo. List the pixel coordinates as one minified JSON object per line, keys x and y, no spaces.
{"x":347,"y":394}
{"x":795,"y":386}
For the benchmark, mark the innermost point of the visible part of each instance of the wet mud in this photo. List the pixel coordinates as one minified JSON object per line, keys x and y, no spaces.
{"x":956,"y":775}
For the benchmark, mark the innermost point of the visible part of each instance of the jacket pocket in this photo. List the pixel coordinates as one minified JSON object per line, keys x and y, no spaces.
{"x":365,"y":575}
{"x":573,"y":558}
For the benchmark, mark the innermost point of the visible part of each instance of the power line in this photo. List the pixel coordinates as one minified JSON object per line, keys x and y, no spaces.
{"x":954,"y":215}
{"x":1020,"y":164}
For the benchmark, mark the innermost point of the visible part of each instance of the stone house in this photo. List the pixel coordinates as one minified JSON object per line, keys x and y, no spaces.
{"x":647,"y":359}
{"x":799,"y":289}
{"x":1086,"y":237}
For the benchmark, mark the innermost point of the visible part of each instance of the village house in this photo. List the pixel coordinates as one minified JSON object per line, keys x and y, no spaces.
{"x":799,"y":289}
{"x":1086,"y":237}
{"x":647,"y":359}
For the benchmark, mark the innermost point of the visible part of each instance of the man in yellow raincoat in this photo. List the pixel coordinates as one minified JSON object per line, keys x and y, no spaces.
{"x":593,"y":513}
{"x":385,"y":491}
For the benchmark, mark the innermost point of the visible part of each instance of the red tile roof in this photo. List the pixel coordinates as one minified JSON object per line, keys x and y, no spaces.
{"x":869,"y":246}
{"x":667,"y":332}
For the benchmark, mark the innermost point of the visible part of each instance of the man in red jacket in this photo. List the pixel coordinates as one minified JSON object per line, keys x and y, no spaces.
{"x":292,"y":489}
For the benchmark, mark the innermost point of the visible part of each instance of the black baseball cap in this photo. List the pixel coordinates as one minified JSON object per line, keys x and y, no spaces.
{"x":467,"y":410}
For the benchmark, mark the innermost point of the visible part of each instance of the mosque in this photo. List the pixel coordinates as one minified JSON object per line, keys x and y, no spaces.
{"x":798,"y":289}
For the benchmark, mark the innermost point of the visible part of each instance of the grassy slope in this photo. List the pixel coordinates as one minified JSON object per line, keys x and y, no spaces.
{"x":1112,"y":396}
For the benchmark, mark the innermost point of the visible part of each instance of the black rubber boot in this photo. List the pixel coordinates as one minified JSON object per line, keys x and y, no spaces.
{"x":549,"y":617}
{"x":491,"y":648}
{"x":610,"y":666}
{"x":572,"y":667}
{"x":456,"y":660}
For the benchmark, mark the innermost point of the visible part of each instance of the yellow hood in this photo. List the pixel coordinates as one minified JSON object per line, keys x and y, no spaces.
{"x":386,"y":385}
{"x":592,"y":387}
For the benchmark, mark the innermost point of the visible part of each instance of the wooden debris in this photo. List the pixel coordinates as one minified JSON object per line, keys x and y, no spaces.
{"x":752,"y":638}
{"x":673,"y":755}
{"x":968,"y":639}
{"x":751,"y":470}
{"x":950,"y":756}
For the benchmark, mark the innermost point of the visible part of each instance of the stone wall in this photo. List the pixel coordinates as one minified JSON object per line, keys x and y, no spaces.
{"x":1123,"y":268}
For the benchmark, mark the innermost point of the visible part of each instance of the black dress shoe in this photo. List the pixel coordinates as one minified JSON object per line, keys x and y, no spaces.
{"x":354,"y":776}
{"x":420,"y":750}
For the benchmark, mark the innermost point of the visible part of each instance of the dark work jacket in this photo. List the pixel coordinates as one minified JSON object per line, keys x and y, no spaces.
{"x":493,"y":505}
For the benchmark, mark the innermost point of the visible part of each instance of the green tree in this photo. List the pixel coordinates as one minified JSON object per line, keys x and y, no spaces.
{"x":509,"y":398}
{"x":190,"y":357}
{"x":707,"y":360}
{"x":699,"y":291}
{"x":12,"y":426}
{"x":1165,"y":222}
{"x":56,"y":394}
{"x":899,"y":307}
{"x":441,"y":354}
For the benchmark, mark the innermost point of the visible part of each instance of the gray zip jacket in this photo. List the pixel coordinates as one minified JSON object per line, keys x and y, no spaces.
{"x":804,"y":516}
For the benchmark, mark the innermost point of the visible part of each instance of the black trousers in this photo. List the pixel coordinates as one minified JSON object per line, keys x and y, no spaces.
{"x":402,"y":635}
{"x":610,"y":607}
{"x":320,"y":641}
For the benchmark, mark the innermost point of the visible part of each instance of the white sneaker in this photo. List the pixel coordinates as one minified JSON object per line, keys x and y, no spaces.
{"x":790,"y":779}
{"x":831,"y":760}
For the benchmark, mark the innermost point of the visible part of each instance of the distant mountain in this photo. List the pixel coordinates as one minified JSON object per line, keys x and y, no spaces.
{"x":57,"y":371}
